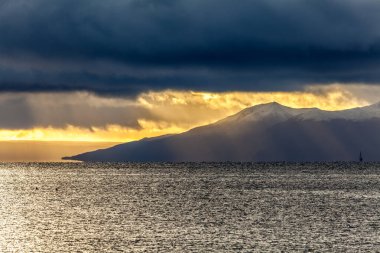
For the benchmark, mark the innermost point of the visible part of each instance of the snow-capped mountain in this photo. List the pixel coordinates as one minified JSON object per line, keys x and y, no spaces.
{"x":271,"y":111}
{"x":267,"y":132}
{"x":361,"y":113}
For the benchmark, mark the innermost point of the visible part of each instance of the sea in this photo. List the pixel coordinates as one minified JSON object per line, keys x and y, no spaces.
{"x":190,"y":207}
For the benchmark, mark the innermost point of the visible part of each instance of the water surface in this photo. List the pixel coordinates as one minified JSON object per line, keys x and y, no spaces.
{"x":189,"y":207}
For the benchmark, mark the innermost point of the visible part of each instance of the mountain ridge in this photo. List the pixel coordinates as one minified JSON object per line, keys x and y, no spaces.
{"x":266,"y":132}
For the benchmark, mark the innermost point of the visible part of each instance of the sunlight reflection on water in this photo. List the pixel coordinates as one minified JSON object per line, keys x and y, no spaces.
{"x":215,"y":207}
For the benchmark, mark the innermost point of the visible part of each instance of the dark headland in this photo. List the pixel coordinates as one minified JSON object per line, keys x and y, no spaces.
{"x":267,"y":132}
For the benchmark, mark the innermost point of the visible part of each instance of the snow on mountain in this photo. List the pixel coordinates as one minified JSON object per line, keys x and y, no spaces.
{"x":270,"y":111}
{"x":356,"y":114}
{"x":276,"y":112}
{"x":267,"y":132}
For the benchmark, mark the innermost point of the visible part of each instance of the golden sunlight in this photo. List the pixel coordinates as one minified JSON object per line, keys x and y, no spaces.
{"x":177,"y":111}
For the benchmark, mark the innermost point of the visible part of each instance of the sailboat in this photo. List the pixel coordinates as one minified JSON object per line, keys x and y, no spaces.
{"x":361,"y":157}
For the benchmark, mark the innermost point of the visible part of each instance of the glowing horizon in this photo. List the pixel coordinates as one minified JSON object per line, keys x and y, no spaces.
{"x":167,"y":112}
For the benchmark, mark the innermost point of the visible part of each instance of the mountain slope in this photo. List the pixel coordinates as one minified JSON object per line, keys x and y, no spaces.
{"x":268,"y":132}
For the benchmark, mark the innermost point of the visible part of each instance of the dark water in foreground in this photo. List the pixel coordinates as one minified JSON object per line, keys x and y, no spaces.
{"x":189,"y":207}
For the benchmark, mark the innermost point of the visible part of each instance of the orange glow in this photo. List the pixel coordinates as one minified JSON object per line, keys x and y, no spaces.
{"x":177,"y":111}
{"x":110,"y":134}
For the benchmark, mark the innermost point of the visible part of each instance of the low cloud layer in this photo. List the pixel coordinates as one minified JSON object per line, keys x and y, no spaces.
{"x":127,"y":47}
{"x":59,"y":110}
{"x":89,"y":117}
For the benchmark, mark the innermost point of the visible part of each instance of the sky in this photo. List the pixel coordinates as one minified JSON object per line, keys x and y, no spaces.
{"x":121,"y":70}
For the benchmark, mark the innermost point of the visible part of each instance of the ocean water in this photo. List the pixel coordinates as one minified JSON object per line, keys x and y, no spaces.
{"x":189,"y":207}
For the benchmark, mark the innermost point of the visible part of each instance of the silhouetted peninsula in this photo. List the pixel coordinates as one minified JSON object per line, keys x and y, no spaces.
{"x":267,"y":132}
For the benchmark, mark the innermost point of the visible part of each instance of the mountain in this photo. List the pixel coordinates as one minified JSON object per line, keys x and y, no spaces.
{"x":267,"y":132}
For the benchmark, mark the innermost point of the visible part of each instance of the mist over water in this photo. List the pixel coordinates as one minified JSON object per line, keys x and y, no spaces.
{"x":189,"y":207}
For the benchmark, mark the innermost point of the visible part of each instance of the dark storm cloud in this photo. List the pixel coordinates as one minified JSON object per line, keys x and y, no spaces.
{"x":128,"y":46}
{"x":25,"y":111}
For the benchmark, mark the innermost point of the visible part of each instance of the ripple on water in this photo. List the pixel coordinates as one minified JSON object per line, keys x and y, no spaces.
{"x":212,"y":207}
